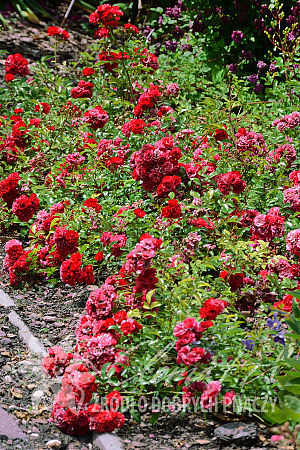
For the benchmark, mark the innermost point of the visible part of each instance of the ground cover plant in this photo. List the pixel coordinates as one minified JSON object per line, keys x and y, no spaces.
{"x":172,"y":186}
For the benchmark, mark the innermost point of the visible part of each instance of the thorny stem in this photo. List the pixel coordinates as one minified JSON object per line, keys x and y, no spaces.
{"x":230,"y":105}
{"x":124,"y":67}
{"x":55,"y":53}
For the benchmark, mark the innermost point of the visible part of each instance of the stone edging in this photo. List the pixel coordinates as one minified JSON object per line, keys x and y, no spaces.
{"x":105,"y":441}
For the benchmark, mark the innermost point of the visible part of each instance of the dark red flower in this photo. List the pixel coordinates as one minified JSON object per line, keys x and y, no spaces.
{"x":16,"y":65}
{"x":25,"y":207}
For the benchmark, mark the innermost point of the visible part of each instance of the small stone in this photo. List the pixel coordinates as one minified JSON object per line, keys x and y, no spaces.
{"x":53,"y":443}
{"x":34,"y":435}
{"x":92,"y":287}
{"x":236,"y":431}
{"x":6,"y":341}
{"x":49,"y":318}
{"x":8,"y":379}
{"x":37,"y":395}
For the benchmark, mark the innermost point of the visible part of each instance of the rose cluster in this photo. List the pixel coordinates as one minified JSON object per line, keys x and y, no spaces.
{"x":153,"y":163}
{"x":15,"y":65}
{"x":288,"y":121}
{"x":59,"y":32}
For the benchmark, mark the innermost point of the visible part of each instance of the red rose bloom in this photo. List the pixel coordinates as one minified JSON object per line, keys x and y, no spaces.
{"x":114,"y":400}
{"x":70,"y":271}
{"x":92,"y":203}
{"x":236,"y":280}
{"x":66,"y":241}
{"x":99,"y":256}
{"x":220,"y":135}
{"x":230,"y":180}
{"x":9,"y":190}
{"x":139,"y":213}
{"x":96,"y":118}
{"x":9,"y":77}
{"x":57,"y":31}
{"x":129,"y":26}
{"x":173,"y":210}
{"x":83,"y":90}
{"x":16,"y":65}
{"x":70,"y":420}
{"x":87,"y":71}
{"x":212,"y":308}
{"x":130,"y":326}
{"x":102,"y":421}
{"x":120,"y":316}
{"x":25,"y":207}
{"x":106,"y":15}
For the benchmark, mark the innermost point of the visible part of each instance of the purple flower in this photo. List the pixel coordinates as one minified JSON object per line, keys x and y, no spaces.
{"x":249,"y":344}
{"x":261,"y":65}
{"x":157,"y":48}
{"x":272,"y":67}
{"x":237,"y":36}
{"x":259,"y":25}
{"x":258,"y":88}
{"x":279,"y":338}
{"x":274,"y":323}
{"x":186,"y":47}
{"x":253,"y":78}
{"x":171,"y":46}
{"x":232,"y":68}
{"x":174,"y":13}
{"x":147,"y":30}
{"x":246,"y":54}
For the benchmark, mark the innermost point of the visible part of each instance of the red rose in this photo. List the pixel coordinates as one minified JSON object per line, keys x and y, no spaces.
{"x":99,"y":256}
{"x":173,"y":210}
{"x":25,"y":207}
{"x":16,"y":65}
{"x":130,"y":326}
{"x":212,"y":308}
{"x":57,"y":31}
{"x":139,"y":213}
{"x":87,"y":71}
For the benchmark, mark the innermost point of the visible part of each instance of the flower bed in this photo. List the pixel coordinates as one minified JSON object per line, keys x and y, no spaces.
{"x":183,"y":209}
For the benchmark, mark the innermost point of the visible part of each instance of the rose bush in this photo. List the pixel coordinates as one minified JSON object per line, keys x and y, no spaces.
{"x":183,"y":209}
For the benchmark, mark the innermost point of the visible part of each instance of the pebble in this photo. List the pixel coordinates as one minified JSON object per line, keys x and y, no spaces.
{"x":8,"y":379}
{"x":6,"y":341}
{"x":49,"y":318}
{"x":37,"y":395}
{"x":34,"y":435}
{"x":236,"y":431}
{"x":53,"y":443}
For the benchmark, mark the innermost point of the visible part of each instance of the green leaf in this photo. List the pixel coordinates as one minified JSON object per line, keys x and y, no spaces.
{"x":154,"y":418}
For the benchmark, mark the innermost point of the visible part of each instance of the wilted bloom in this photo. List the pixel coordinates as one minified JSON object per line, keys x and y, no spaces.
{"x":171,"y":46}
{"x":232,"y":68}
{"x":258,"y":88}
{"x":279,"y":338}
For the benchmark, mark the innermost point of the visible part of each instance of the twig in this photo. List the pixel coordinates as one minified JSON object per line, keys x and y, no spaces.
{"x":67,"y":13}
